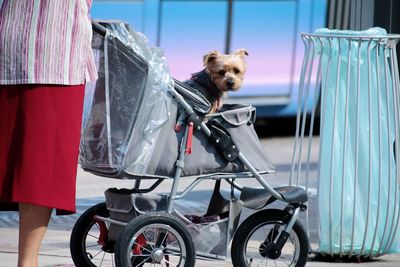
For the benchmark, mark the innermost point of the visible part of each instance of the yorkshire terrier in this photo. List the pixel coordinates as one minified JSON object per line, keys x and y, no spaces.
{"x":222,"y":73}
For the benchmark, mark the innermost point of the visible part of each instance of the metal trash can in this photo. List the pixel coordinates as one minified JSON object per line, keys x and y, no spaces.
{"x":351,"y":79}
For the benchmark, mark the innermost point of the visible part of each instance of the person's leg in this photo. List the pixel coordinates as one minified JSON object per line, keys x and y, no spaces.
{"x":33,"y":221}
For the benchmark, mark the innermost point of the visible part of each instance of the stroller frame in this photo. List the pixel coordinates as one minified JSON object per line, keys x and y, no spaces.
{"x":270,"y":194}
{"x":180,"y":162}
{"x":229,"y":177}
{"x":256,"y":198}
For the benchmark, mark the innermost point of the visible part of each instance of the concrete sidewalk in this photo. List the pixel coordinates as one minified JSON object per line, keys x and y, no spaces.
{"x":55,"y":248}
{"x":55,"y":251}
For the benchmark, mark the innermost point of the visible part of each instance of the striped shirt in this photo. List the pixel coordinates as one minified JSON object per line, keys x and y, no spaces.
{"x":46,"y":42}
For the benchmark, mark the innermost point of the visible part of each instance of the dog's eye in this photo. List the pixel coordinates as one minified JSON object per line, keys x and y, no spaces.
{"x":221,"y":72}
{"x":236,"y":71}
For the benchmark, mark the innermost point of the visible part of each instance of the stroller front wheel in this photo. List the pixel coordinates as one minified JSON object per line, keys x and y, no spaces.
{"x":253,"y":242}
{"x":155,"y":239}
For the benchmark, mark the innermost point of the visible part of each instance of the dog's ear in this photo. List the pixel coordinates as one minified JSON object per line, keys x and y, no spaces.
{"x":241,"y":52}
{"x":210,"y":57}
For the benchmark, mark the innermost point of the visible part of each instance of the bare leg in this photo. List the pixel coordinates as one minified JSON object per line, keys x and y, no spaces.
{"x":33,"y":221}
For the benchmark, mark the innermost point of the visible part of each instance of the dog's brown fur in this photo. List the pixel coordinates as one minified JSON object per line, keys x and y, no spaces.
{"x":226,"y":71}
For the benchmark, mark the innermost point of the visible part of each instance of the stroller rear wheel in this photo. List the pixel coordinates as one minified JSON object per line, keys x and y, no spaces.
{"x":155,"y":240}
{"x":253,"y":245}
{"x":89,"y":245}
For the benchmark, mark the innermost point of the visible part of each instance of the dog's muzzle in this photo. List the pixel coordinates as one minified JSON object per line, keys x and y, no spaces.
{"x":230,"y":84}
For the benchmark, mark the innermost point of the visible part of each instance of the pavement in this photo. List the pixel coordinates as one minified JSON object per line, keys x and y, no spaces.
{"x":90,"y":191}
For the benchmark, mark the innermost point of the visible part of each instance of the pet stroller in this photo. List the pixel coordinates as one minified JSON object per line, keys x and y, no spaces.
{"x":141,"y":124}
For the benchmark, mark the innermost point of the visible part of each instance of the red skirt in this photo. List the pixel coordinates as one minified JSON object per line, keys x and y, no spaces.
{"x":39,"y":145}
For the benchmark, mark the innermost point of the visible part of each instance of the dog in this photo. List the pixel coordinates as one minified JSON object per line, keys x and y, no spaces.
{"x":221,"y":73}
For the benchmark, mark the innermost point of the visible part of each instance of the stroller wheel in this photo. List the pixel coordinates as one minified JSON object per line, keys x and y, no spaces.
{"x":89,"y":245}
{"x":155,"y":239}
{"x":253,"y":244}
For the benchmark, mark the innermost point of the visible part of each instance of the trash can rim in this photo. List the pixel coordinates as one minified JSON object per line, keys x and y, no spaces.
{"x":347,"y":36}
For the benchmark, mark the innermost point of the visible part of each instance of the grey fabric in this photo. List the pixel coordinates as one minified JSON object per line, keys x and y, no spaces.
{"x":191,"y":95}
{"x":123,"y":206}
{"x":205,"y":159}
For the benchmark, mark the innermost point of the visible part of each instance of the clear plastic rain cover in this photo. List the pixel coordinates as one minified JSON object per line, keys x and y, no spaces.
{"x":130,"y":98}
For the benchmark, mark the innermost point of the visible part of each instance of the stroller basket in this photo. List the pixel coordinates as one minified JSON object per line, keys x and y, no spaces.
{"x":211,"y":233}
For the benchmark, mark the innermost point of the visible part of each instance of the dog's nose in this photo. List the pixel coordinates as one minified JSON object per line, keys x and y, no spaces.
{"x":230,"y":83}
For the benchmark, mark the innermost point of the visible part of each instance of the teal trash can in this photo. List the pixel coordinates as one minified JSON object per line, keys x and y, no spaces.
{"x":354,"y":80}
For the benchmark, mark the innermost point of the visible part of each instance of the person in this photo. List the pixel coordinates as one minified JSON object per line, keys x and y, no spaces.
{"x":45,"y":61}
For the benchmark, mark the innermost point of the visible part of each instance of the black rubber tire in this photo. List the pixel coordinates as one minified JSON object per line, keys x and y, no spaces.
{"x":79,"y":237}
{"x":134,"y":227}
{"x":252,"y":224}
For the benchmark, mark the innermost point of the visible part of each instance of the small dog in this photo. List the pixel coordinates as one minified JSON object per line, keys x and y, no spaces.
{"x":222,"y":73}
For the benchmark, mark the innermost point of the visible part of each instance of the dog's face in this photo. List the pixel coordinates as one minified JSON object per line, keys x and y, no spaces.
{"x":226,"y":71}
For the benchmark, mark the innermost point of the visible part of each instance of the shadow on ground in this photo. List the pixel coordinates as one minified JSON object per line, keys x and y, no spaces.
{"x":340,"y":259}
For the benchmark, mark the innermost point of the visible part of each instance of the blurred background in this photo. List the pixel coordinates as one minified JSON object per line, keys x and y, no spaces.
{"x":269,"y":29}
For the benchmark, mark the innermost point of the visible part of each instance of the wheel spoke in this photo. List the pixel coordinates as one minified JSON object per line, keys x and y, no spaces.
{"x":173,"y":243}
{"x":164,"y":238}
{"x":173,"y":254}
{"x":265,"y":233}
{"x":154,"y":234}
{"x":92,"y":246}
{"x":102,"y":259}
{"x":93,"y":236}
{"x":271,"y":239}
{"x":147,"y":239}
{"x":169,"y":263}
{"x":288,"y":264}
{"x":144,"y":248}
{"x":143,"y":261}
{"x":256,"y":248}
{"x":275,"y":230}
{"x":98,"y":253}
{"x":262,"y":261}
{"x":141,"y":255}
